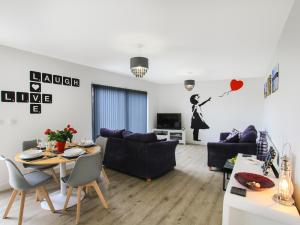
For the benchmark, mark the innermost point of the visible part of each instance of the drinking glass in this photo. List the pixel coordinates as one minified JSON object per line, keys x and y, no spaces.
{"x":38,"y":145}
{"x":52,"y":146}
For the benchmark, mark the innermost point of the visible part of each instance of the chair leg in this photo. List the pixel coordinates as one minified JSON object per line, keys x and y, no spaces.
{"x":10,"y":203}
{"x":99,"y":193}
{"x":21,"y":210}
{"x":46,"y":196}
{"x":87,"y":190}
{"x":37,"y":195}
{"x":54,"y":176}
{"x":78,"y":204}
{"x":70,"y":190}
{"x":105,"y":176}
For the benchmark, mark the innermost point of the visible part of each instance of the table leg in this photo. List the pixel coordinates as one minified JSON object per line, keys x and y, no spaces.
{"x":63,"y":173}
{"x":228,"y":176}
{"x":224,"y":175}
{"x":58,"y":198}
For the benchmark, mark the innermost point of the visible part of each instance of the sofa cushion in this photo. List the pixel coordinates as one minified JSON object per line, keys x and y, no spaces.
{"x":249,"y":135}
{"x":160,"y":140}
{"x":250,"y":128}
{"x":233,"y":137}
{"x":126,"y":133}
{"x":140,"y":137}
{"x":104,"y":132}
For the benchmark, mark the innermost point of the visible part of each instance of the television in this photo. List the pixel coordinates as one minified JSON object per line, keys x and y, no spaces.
{"x":170,"y":121}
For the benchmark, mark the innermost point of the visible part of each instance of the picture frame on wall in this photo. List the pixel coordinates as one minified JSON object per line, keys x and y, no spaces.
{"x":269,"y":85}
{"x":275,"y":78}
{"x":265,"y":90}
{"x":272,"y":83}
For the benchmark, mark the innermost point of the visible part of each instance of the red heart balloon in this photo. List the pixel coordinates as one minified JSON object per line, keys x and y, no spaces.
{"x":236,"y":85}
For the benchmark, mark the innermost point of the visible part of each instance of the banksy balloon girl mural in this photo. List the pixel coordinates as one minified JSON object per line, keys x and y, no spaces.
{"x":197,"y":121}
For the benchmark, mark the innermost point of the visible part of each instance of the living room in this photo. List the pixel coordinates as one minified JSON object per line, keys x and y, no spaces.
{"x":72,"y":63}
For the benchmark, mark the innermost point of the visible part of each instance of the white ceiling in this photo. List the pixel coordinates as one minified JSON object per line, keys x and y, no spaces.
{"x":200,"y":39}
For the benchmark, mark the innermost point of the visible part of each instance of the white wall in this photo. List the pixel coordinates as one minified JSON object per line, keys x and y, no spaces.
{"x":237,"y":110}
{"x":282,"y":109}
{"x":70,"y":104}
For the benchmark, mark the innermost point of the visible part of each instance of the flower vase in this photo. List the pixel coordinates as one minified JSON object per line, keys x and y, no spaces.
{"x":60,"y":146}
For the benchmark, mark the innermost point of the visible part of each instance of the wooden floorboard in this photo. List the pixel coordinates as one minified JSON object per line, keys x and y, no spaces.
{"x":188,"y":195}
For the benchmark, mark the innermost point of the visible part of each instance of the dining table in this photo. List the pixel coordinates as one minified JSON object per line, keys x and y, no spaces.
{"x":53,"y":158}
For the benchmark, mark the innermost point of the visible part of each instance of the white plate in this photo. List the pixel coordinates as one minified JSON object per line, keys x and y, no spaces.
{"x":73,"y":152}
{"x":42,"y":145}
{"x":86,"y":143}
{"x":31,"y":154}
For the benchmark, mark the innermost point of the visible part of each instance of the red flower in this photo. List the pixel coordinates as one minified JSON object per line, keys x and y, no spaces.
{"x":47,"y":132}
{"x":68,"y":126}
{"x":72,"y":130}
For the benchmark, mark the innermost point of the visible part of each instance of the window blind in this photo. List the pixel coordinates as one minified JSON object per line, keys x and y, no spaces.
{"x":117,"y":108}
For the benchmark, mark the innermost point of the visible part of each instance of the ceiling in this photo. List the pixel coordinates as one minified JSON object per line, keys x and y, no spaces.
{"x":200,"y":39}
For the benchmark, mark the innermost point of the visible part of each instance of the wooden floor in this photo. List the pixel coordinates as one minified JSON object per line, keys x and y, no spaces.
{"x":191,"y":194}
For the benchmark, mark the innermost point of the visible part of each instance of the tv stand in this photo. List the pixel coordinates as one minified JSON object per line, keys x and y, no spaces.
{"x":171,"y":134}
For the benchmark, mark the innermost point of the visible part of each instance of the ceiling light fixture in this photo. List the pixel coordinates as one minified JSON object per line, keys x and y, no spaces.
{"x":189,"y":84}
{"x":139,"y":66}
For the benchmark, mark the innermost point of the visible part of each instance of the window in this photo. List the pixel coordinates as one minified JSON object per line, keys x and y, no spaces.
{"x":117,"y":108}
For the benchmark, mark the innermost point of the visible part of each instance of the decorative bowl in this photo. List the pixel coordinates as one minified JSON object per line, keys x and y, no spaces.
{"x":254,"y":181}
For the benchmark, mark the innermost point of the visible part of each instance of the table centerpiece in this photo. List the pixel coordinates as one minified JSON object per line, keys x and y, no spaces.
{"x":61,"y":136}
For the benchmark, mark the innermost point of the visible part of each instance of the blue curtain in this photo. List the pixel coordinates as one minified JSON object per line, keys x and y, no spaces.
{"x":136,"y":111}
{"x":116,"y":108}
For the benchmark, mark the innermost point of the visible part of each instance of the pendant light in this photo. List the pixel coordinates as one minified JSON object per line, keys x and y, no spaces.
{"x":189,"y":84}
{"x":139,"y":66}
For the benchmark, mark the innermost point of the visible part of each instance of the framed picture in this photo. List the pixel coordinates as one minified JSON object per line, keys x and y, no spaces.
{"x":275,"y":78}
{"x":265,"y":90}
{"x":268,"y":163}
{"x":269,"y":85}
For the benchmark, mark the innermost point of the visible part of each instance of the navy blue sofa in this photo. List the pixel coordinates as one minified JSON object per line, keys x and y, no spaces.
{"x":145,"y":160}
{"x":219,"y":152}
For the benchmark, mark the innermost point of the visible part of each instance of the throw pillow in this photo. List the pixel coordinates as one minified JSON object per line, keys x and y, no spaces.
{"x":139,"y":137}
{"x":233,"y":137}
{"x":262,"y":146}
{"x":104,"y":132}
{"x":250,"y":128}
{"x":126,"y":133}
{"x":249,"y":135}
{"x":160,"y":140}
